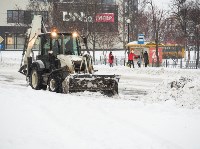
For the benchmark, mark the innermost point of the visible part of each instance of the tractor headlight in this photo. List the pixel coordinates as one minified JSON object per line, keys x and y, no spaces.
{"x":53,"y":34}
{"x":75,"y":34}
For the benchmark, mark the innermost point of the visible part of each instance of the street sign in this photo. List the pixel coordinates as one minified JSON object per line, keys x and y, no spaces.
{"x":1,"y":39}
{"x":140,"y":38}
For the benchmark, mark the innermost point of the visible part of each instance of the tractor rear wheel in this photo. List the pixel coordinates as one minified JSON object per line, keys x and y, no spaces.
{"x":35,"y":79}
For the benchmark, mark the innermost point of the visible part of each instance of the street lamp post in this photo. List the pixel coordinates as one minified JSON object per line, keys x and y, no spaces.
{"x":128,"y":21}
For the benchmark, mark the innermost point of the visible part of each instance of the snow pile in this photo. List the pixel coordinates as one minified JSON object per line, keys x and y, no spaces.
{"x":185,"y":91}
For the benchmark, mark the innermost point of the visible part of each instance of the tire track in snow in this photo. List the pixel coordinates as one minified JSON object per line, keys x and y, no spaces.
{"x":133,"y":90}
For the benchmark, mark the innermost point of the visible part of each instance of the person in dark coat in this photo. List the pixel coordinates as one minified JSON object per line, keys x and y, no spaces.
{"x":146,"y":58}
{"x":131,"y":56}
{"x":139,"y":62}
{"x":111,"y":58}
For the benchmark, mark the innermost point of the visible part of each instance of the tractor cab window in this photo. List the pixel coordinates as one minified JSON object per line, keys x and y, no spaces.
{"x":70,"y":47}
{"x":64,"y":43}
{"x":56,"y":46}
{"x":45,"y":44}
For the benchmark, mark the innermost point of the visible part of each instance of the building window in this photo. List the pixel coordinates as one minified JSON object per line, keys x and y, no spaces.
{"x":108,"y":1}
{"x":9,"y":16}
{"x":15,"y":16}
{"x":39,"y":0}
{"x":23,"y":16}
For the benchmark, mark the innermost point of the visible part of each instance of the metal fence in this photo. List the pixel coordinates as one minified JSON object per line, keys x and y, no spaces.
{"x":193,"y":65}
{"x":179,"y":63}
{"x":118,"y":61}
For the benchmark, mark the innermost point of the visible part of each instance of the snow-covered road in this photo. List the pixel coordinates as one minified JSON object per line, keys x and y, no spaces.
{"x":45,"y":120}
{"x":133,"y":87}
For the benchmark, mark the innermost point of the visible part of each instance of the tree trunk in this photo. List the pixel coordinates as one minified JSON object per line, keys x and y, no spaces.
{"x":157,"y":55}
{"x":94,"y":40}
{"x":197,"y":62}
{"x":197,"y":41}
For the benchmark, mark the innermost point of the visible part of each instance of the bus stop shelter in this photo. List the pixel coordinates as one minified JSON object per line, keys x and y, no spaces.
{"x":150,"y":47}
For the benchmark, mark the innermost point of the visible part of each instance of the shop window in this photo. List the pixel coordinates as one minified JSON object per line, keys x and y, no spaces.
{"x":10,"y":40}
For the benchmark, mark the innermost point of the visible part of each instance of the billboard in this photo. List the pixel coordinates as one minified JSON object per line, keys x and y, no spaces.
{"x":105,"y":17}
{"x":152,"y":55}
{"x":81,"y":16}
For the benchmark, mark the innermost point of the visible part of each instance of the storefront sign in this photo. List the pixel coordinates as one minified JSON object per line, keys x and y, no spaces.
{"x":105,"y":17}
{"x":72,"y":17}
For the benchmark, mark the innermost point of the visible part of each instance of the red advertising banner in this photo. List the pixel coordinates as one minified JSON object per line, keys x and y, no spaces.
{"x":152,"y":55}
{"x":105,"y":17}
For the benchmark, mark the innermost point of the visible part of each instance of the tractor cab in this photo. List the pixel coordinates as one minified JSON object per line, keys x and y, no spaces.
{"x":58,"y":43}
{"x":52,"y":45}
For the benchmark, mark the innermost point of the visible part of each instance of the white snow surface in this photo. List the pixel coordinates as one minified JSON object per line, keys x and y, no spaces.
{"x":150,"y":111}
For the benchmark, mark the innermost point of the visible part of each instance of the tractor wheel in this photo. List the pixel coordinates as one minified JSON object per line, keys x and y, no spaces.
{"x":65,"y":85}
{"x":116,"y":88}
{"x":54,"y":84}
{"x":114,"y":91}
{"x":44,"y":87}
{"x":35,"y":79}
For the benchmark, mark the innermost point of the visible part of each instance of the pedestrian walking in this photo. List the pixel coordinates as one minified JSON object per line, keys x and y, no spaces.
{"x":111,"y":58}
{"x":131,"y":56}
{"x":146,"y":58}
{"x":139,"y":61}
{"x":105,"y":59}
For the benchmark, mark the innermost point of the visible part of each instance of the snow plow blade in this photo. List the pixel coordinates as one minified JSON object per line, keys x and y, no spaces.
{"x":106,"y":84}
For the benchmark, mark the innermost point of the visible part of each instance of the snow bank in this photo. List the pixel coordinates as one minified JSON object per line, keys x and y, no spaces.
{"x":184,"y":91}
{"x":182,"y":86}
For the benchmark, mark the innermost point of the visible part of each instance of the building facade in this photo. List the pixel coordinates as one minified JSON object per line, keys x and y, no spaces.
{"x":15,"y":20}
{"x":67,"y":15}
{"x":9,"y":33}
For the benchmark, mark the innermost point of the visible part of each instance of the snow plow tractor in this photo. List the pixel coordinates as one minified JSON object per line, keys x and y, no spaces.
{"x":60,"y":66}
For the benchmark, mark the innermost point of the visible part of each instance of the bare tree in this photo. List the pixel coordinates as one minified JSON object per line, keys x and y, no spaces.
{"x":107,"y":40}
{"x":194,"y":14}
{"x":180,"y":9}
{"x":121,"y":23}
{"x":157,"y":19}
{"x":188,"y":15}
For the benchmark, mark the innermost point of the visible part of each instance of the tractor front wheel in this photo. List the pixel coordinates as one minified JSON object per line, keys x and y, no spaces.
{"x":54,"y":84}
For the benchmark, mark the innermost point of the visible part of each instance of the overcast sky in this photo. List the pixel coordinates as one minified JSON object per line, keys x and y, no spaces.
{"x":164,"y":4}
